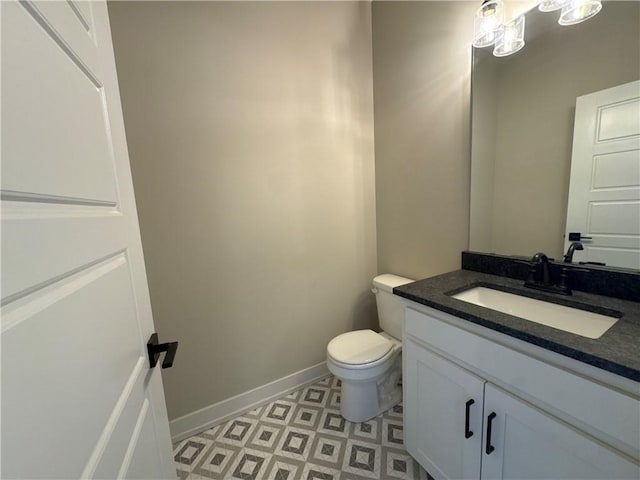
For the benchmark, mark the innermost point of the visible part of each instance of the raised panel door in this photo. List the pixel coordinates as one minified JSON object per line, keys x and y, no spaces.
{"x":79,"y":399}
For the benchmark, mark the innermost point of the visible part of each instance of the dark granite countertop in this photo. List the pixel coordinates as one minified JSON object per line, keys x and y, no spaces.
{"x":617,"y":351}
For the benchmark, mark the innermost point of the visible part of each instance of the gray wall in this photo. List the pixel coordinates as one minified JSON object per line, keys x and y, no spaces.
{"x":250,"y":132}
{"x":421,"y":71}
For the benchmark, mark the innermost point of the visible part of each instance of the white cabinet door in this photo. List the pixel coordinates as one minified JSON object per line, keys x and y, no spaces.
{"x":440,"y":398}
{"x":78,"y":397}
{"x":526,"y":443}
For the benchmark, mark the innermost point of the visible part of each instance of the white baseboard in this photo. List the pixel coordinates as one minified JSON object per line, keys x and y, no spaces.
{"x":207,"y":417}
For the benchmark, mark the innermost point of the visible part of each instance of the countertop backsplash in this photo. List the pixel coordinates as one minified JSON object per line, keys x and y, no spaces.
{"x":607,"y":281}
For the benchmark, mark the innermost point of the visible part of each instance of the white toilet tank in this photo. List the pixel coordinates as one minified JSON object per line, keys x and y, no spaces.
{"x":390,"y":306}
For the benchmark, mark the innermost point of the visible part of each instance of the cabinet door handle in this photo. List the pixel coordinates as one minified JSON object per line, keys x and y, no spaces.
{"x":489,"y":448}
{"x":467,"y":433}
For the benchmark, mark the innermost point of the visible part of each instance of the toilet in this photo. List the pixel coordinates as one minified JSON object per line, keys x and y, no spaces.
{"x":369,"y":364}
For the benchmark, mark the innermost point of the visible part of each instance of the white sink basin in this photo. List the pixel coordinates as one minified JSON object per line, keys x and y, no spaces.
{"x":580,"y":322}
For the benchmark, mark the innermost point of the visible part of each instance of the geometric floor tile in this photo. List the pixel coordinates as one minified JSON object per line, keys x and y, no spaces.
{"x":327,"y":450}
{"x":266,"y":437}
{"x":279,"y":412}
{"x":370,"y":431}
{"x":398,"y":465}
{"x":300,"y":436}
{"x":237,"y":431}
{"x":249,"y":464}
{"x":307,"y":417}
{"x":334,"y":399}
{"x":189,"y":452}
{"x":313,"y":472}
{"x":284,"y":469}
{"x":392,"y":433}
{"x":395,"y":412}
{"x":314,"y":396}
{"x":295,"y":443}
{"x":362,"y":459}
{"x":217,"y":462}
{"x":332,"y":423}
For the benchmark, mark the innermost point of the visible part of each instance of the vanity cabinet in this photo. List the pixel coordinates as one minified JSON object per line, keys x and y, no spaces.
{"x":473,"y":410}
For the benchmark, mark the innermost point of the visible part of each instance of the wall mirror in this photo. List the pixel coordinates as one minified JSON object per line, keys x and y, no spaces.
{"x":523,"y":112}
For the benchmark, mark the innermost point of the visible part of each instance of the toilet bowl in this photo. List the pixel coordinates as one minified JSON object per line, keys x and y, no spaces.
{"x":369,"y":364}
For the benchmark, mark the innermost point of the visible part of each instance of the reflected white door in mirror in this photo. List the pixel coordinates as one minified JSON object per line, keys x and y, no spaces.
{"x":604,"y":190}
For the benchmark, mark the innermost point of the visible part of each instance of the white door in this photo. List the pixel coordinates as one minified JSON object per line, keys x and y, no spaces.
{"x":78,"y":396}
{"x":604,"y":190}
{"x":443,"y":414}
{"x":522,"y":442}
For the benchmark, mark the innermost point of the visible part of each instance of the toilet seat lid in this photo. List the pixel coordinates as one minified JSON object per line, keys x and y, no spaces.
{"x":359,"y":347}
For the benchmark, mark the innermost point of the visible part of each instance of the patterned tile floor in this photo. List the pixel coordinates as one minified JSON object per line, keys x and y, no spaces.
{"x":300,"y":436}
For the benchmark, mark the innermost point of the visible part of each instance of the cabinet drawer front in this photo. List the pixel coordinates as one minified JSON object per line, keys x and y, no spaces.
{"x":607,"y":414}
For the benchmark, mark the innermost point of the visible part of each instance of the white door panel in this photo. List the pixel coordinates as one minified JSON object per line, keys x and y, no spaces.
{"x":141,"y":460}
{"x":78,"y":396}
{"x":604,"y":191}
{"x":57,"y":126}
{"x":123,"y":426}
{"x":615,"y":218}
{"x":75,"y":25}
{"x":619,"y":120}
{"x":25,"y":234}
{"x":616,"y":170}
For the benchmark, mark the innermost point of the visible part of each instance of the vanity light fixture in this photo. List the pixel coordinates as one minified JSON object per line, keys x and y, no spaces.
{"x":576,"y":11}
{"x":551,"y":5}
{"x":509,"y":37}
{"x":489,"y":27}
{"x":487,"y":20}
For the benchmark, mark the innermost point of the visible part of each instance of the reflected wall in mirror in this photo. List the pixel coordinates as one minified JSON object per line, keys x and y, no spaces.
{"x":523,"y":109}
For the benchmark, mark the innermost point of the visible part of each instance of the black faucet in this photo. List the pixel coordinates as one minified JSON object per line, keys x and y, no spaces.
{"x":540,"y":266}
{"x":568,"y":257}
{"x":540,"y":276}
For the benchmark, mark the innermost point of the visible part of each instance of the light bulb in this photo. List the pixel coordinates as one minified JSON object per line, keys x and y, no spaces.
{"x":576,"y":11}
{"x":488,"y":17}
{"x":509,"y":37}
